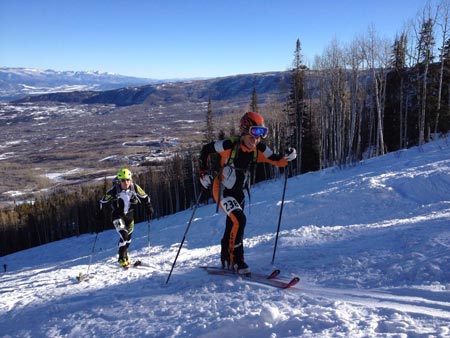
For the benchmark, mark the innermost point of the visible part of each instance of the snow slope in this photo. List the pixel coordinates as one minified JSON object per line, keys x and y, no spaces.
{"x":371,"y":244}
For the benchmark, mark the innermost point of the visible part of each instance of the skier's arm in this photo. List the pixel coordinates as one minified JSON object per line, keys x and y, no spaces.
{"x":207,"y":150}
{"x":109,"y":196}
{"x":265,"y":154}
{"x":145,"y":199}
{"x":218,"y":146}
{"x":141,"y":194}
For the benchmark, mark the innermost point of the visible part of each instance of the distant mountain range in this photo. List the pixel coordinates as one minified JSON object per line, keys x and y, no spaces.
{"x":218,"y":89}
{"x":16,"y":83}
{"x":33,"y":85}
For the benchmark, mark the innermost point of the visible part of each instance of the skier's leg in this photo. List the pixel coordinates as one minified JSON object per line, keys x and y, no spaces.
{"x":232,"y":241}
{"x":236,"y":239}
{"x":124,"y":241}
{"x":224,"y":253}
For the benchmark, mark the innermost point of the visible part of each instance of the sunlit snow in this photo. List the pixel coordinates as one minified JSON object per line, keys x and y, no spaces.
{"x":371,"y":244}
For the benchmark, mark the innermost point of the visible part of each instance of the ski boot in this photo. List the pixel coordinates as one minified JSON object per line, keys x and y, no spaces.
{"x":242,"y":268}
{"x":225,"y":264}
{"x":124,"y":262}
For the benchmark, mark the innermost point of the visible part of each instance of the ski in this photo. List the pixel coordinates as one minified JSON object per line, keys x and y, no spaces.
{"x":274,"y":274}
{"x":133,"y":265}
{"x":270,"y":279}
{"x":221,"y":271}
{"x":83,"y":277}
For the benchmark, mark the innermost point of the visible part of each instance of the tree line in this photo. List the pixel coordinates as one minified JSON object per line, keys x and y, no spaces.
{"x":371,"y":96}
{"x":355,"y":101}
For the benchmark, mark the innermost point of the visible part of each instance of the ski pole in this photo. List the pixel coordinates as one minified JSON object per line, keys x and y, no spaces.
{"x":220,"y":189}
{"x":185,"y":233}
{"x":281,"y":212}
{"x":148,"y":239}
{"x":92,"y":253}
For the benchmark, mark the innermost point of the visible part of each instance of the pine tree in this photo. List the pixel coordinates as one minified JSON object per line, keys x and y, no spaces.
{"x":296,"y":107}
{"x":395,"y":110}
{"x":209,"y":133}
{"x":254,"y":103}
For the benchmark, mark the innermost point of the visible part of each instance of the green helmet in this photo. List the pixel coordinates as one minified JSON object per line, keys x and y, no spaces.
{"x":124,"y":174}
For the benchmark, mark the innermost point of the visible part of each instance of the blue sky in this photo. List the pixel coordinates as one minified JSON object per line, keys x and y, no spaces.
{"x":185,"y":38}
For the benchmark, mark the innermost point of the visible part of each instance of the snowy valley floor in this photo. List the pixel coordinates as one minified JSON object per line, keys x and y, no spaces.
{"x":371,"y":244}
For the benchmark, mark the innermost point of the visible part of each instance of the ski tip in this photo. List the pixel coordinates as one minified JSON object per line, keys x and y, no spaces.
{"x":275,"y":273}
{"x":81,"y":278}
{"x":292,"y":282}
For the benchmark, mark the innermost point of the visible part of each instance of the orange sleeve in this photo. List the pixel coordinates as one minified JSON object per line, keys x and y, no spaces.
{"x":276,"y":160}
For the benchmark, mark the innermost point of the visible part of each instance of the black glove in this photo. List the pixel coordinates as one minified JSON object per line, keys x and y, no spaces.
{"x":149,"y":210}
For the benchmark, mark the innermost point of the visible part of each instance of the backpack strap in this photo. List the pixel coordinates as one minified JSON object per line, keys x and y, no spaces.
{"x":237,"y":142}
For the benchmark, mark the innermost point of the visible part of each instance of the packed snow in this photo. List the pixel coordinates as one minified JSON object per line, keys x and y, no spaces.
{"x":371,"y":244}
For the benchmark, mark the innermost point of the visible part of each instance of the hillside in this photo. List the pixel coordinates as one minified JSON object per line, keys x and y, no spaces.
{"x":371,"y":244}
{"x":218,"y":89}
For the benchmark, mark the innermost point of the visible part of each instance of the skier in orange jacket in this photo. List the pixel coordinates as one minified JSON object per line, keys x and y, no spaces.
{"x":236,"y":156}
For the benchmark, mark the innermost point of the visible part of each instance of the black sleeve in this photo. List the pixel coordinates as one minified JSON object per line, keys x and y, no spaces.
{"x":109,"y":196}
{"x":213,"y":148}
{"x":207,"y":150}
{"x":142,"y":195}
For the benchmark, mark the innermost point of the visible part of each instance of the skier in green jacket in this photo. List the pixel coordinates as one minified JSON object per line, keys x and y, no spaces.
{"x":123,"y":197}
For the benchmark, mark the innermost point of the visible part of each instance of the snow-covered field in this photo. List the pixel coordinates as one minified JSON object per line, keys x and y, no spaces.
{"x":371,"y":244}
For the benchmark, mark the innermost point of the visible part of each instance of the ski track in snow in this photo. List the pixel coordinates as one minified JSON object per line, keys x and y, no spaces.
{"x":371,"y":244}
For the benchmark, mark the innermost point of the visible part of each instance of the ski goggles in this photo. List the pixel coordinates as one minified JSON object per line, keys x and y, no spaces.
{"x":258,"y":131}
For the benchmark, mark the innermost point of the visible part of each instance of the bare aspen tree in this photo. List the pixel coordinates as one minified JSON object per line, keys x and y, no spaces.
{"x":318,"y":68}
{"x":332,"y":105}
{"x":425,"y":44}
{"x":411,"y":65}
{"x":446,"y":55}
{"x":337,"y":100}
{"x":277,"y":123}
{"x":357,"y":98}
{"x":444,"y":24}
{"x":376,"y":53}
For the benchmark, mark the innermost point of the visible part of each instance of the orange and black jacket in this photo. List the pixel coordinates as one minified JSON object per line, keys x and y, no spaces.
{"x":235,"y":175}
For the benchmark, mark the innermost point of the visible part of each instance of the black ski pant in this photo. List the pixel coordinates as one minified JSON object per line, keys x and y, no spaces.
{"x":124,"y":228}
{"x":232,"y":242}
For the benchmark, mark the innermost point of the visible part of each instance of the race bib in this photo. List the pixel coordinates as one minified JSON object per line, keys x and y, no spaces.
{"x":229,"y":204}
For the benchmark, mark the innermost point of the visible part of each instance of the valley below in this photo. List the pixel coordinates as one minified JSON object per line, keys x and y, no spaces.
{"x":61,"y":139}
{"x":48,"y":144}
